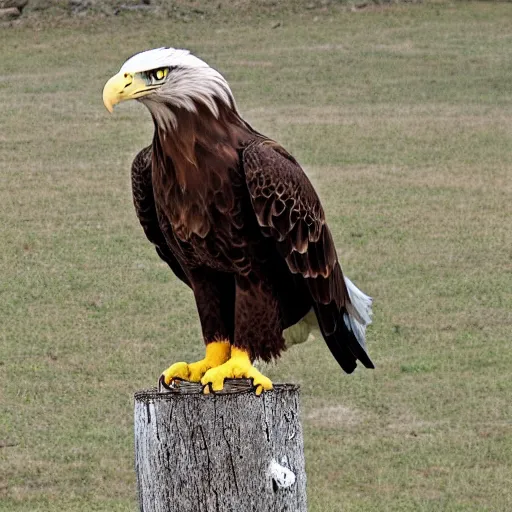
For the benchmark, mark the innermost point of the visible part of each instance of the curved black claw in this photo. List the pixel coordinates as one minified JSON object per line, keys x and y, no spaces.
{"x":162,"y":386}
{"x":208,"y":389}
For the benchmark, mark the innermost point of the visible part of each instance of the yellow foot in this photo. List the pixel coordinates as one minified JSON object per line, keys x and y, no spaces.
{"x":238,"y":367}
{"x":217,"y":352}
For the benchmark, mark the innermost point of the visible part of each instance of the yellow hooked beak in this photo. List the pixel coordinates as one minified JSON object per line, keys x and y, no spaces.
{"x":122,"y":87}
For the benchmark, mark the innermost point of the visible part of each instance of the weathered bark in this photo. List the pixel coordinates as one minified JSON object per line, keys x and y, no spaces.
{"x":228,"y":452}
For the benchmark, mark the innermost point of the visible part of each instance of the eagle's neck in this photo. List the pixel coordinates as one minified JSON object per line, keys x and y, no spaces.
{"x":201,"y":146}
{"x":196,"y":168}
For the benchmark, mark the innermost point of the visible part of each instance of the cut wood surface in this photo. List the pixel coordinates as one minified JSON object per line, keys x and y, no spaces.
{"x":232,"y":451}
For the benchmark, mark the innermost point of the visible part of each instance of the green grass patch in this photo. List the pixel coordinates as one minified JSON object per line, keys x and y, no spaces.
{"x":401,"y":116}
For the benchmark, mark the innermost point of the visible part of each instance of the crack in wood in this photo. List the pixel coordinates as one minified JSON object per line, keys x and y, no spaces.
{"x":230,"y":455}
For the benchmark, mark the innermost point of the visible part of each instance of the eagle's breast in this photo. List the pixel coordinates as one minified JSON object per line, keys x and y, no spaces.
{"x":206,"y":218}
{"x":201,"y":190}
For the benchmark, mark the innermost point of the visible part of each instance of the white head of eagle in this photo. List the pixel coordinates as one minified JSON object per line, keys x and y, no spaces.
{"x":168,"y":77}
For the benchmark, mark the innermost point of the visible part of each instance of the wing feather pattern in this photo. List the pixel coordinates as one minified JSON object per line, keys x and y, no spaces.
{"x":288,"y":210}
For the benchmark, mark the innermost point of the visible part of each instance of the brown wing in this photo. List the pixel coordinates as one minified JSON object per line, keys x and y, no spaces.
{"x":144,"y":202}
{"x":289,"y":211}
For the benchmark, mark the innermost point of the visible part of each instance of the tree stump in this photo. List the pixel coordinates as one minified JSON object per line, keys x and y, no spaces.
{"x":228,"y":452}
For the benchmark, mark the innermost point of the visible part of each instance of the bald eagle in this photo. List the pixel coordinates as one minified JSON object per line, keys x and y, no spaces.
{"x":237,"y":220}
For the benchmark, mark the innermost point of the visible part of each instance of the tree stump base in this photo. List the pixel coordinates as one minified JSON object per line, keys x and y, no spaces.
{"x":225,"y":452}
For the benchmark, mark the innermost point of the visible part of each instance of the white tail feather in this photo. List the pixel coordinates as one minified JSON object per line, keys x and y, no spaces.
{"x":362,"y":304}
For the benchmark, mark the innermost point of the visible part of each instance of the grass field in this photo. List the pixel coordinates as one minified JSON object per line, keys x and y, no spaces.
{"x":402,"y":118}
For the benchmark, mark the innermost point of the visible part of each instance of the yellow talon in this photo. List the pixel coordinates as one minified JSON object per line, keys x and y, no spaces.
{"x":176,"y":371}
{"x":237,"y":367}
{"x":217,"y":352}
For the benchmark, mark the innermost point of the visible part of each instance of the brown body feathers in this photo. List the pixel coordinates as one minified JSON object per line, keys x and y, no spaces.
{"x":238,"y":221}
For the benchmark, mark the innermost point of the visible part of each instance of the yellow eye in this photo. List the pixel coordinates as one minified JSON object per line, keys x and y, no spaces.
{"x":161,"y":73}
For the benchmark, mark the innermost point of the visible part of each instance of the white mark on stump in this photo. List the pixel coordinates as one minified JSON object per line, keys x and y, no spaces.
{"x":282,"y":476}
